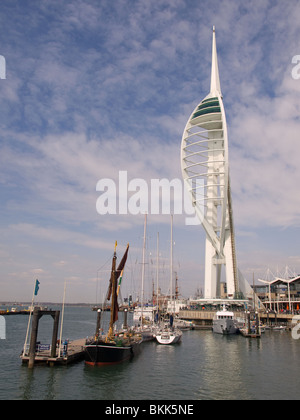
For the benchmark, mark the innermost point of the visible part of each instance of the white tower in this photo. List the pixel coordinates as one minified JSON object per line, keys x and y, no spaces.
{"x":204,"y":158}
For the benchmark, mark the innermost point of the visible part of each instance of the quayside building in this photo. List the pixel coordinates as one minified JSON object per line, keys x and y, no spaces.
{"x":281,"y":294}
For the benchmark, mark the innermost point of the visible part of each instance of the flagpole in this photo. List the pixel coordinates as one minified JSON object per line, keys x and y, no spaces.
{"x":62,"y":318}
{"x":30,"y":314}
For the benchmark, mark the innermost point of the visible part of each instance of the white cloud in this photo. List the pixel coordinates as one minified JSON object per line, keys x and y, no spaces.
{"x":264,"y":158}
{"x":93,"y":89}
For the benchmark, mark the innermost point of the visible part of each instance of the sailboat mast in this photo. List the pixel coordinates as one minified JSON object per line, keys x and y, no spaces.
{"x":113,"y":293}
{"x":171,"y":266}
{"x":143,"y":268}
{"x":157,"y":271}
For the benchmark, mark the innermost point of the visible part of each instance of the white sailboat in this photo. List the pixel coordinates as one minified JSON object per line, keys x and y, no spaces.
{"x":143,"y":317}
{"x":168,"y":334}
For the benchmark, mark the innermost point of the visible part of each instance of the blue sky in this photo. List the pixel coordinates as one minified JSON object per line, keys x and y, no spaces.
{"x":95,"y":87}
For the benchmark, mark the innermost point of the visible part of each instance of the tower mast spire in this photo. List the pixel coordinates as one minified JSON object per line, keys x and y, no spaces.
{"x":215,"y":86}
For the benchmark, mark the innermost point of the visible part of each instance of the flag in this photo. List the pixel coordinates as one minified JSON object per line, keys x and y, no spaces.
{"x":36,"y":287}
{"x":120,"y":281}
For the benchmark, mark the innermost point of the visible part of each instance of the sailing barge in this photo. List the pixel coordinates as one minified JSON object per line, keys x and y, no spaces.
{"x":114,"y":347}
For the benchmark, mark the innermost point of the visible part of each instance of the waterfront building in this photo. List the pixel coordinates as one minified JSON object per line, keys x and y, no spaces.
{"x":280,"y":295}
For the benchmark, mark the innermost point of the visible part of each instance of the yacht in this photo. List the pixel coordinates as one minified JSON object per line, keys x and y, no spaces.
{"x":145,"y":314}
{"x":225,"y":323}
{"x":168,"y":335}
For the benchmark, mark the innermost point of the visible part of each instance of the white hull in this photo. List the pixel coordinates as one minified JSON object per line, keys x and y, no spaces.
{"x":182,"y":324}
{"x":225,"y":323}
{"x":147,"y":332}
{"x":169,"y":336}
{"x":148,"y":315}
{"x":224,"y":326}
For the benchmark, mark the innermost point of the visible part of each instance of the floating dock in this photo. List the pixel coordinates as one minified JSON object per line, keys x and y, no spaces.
{"x":56,"y":353}
{"x":203,"y":319}
{"x":252,"y":325}
{"x":248,"y":334}
{"x":72,"y":354}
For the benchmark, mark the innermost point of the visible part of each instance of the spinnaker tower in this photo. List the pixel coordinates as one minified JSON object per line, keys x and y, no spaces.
{"x":205,"y":170}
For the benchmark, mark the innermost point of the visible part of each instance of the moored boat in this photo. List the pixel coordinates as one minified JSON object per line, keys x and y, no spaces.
{"x":112,"y":351}
{"x":279,"y":328}
{"x":115,"y":347}
{"x":224,"y":323}
{"x":147,"y":332}
{"x":168,"y":334}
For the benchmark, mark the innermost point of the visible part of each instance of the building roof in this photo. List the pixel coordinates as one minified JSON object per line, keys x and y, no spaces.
{"x":278,"y":281}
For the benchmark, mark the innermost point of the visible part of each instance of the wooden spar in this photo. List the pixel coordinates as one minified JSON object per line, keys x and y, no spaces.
{"x":113,"y":289}
{"x":113,"y":294}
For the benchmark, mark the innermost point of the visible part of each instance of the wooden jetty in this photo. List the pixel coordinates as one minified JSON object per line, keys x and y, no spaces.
{"x":249,"y":331}
{"x":248,"y":334}
{"x":72,"y":354}
{"x":65,"y":353}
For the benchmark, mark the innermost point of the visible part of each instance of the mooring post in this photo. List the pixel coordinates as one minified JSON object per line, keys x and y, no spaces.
{"x":249,"y":322}
{"x":257,"y":323}
{"x":55,"y":333}
{"x":98,"y":322}
{"x":125,"y":319}
{"x":33,"y":337}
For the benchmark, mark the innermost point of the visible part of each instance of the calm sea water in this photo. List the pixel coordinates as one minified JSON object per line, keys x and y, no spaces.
{"x":204,"y":366}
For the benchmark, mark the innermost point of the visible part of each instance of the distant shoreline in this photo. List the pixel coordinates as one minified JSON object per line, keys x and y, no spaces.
{"x":14,"y":303}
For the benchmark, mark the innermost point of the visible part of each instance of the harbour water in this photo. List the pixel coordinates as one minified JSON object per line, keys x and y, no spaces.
{"x":204,"y":366}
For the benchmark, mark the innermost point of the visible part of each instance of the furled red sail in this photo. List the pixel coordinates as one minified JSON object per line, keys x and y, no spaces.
{"x":113,"y":285}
